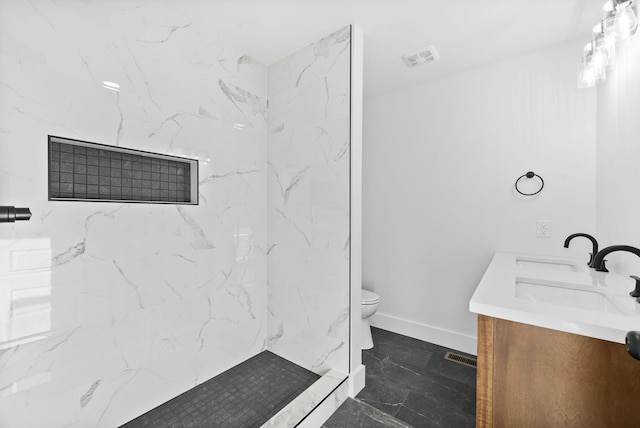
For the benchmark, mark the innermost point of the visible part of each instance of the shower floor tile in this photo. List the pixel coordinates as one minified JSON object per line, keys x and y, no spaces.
{"x":246,"y":395}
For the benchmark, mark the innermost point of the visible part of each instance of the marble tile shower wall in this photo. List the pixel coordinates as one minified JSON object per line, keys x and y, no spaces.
{"x":108,"y":309}
{"x":308,"y":204}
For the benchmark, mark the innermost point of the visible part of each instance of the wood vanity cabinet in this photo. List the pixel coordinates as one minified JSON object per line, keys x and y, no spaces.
{"x":536,"y":377}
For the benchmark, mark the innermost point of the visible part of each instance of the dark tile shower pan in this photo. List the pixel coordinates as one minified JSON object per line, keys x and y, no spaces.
{"x":247,"y":395}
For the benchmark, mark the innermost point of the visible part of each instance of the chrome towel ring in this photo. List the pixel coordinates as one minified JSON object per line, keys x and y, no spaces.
{"x":529,"y":175}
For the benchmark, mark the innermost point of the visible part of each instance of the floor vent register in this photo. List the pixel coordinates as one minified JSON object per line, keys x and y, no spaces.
{"x":462,"y":359}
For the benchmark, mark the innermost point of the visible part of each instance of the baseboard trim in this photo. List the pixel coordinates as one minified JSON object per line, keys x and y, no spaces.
{"x":428,"y":333}
{"x":356,"y":381}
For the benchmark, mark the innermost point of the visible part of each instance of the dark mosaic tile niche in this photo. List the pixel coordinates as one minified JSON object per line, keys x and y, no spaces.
{"x":84,"y":171}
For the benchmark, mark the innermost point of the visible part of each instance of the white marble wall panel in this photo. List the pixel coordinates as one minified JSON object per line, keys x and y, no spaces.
{"x":308,"y":205}
{"x":305,"y":405}
{"x":109,"y":309}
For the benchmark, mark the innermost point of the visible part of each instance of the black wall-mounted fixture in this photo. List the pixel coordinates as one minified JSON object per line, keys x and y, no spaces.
{"x":11,"y":214}
{"x":529,"y":175}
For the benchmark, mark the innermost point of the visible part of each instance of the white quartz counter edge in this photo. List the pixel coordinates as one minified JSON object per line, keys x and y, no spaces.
{"x":495,"y":296}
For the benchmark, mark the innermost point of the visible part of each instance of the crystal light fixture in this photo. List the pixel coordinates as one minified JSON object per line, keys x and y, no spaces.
{"x":619,"y":23}
{"x":586,"y":74}
{"x":589,"y":70}
{"x":604,"y":37}
{"x":625,"y":18}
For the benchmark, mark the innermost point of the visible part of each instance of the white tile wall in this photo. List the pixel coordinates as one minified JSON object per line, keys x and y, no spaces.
{"x":109,"y":309}
{"x":308,"y":204}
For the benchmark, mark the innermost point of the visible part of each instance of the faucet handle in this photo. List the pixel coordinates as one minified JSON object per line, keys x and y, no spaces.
{"x":636,"y":292}
{"x":632,"y":342}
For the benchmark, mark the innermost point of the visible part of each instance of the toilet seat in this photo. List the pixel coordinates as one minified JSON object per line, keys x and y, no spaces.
{"x":369,"y":298}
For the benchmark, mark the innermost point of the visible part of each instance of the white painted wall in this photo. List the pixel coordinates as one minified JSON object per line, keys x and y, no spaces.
{"x":618,"y":147}
{"x":440,"y":161}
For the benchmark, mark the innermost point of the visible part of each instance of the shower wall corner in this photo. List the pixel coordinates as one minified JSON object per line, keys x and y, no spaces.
{"x":314,"y":97}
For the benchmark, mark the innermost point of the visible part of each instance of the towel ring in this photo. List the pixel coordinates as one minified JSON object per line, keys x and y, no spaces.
{"x":530,"y":174}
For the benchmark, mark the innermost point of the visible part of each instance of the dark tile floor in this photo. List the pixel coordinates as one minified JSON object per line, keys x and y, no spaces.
{"x":357,"y":414}
{"x":412,"y":383}
{"x":246,"y":395}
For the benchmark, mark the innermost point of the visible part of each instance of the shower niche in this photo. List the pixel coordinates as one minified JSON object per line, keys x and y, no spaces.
{"x":92,"y":172}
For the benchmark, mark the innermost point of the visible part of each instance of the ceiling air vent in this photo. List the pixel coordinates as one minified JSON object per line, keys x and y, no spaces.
{"x":421,"y":56}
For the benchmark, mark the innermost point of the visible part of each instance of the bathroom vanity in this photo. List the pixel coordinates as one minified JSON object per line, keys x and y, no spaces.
{"x":551,"y":345}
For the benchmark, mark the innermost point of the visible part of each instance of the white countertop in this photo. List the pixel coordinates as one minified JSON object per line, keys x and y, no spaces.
{"x":582,"y":301}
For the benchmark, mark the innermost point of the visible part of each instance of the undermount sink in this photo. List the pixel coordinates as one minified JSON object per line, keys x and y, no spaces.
{"x":569,"y":295}
{"x":547,"y":264}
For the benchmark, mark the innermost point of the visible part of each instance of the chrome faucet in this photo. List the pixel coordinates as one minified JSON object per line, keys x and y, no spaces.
{"x":594,"y":244}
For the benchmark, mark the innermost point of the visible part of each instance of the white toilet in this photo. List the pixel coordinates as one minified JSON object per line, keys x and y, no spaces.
{"x":369,"y":305}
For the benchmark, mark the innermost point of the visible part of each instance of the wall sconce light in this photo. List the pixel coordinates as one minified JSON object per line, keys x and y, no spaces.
{"x":619,"y":23}
{"x":623,"y":13}
{"x":586,"y":71}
